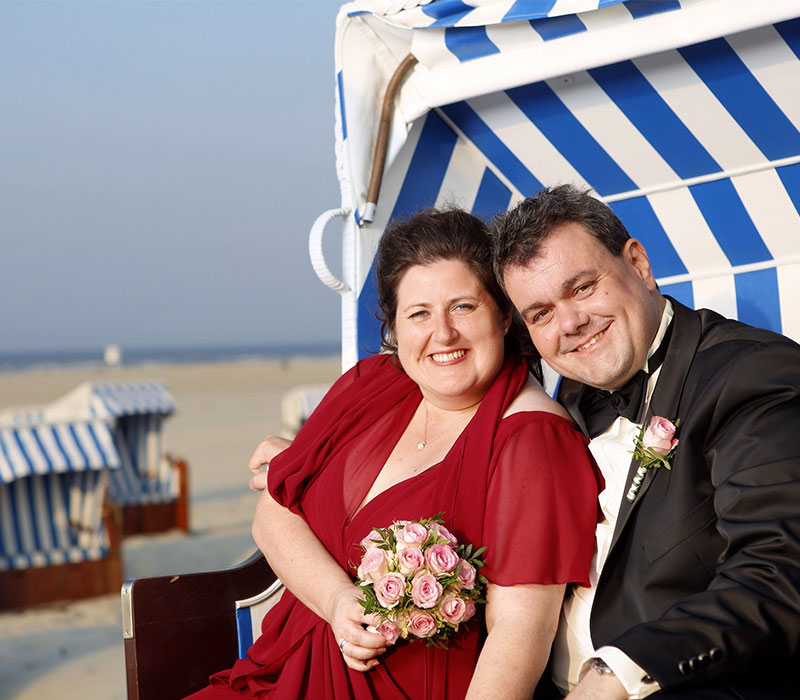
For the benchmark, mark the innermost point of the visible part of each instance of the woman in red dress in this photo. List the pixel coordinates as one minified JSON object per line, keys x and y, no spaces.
{"x":448,"y":421}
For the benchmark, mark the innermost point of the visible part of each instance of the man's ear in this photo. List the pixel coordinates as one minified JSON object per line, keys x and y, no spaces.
{"x":635,"y":255}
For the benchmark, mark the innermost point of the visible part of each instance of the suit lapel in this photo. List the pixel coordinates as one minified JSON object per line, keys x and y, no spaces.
{"x":666,"y":398}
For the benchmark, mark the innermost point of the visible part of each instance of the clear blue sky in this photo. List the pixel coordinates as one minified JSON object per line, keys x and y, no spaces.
{"x":161,"y":164}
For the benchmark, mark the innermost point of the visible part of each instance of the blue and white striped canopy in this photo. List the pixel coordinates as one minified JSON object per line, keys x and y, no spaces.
{"x":53,"y":479}
{"x":683,"y":115}
{"x":112,"y":400}
{"x":56,"y":448}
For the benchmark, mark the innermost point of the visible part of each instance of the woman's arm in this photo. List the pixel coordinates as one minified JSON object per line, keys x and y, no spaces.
{"x":316,"y":579}
{"x":522,"y":622}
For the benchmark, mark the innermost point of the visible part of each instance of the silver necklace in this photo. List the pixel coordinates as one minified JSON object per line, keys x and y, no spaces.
{"x":421,"y":445}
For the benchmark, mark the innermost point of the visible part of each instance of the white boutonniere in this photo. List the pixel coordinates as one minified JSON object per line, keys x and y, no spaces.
{"x":655,"y":447}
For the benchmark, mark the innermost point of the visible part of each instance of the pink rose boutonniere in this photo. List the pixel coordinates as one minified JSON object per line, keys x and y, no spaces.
{"x":420,"y":581}
{"x":655,"y":447}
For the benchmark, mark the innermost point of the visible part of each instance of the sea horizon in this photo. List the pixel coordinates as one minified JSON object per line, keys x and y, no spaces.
{"x":21,"y":360}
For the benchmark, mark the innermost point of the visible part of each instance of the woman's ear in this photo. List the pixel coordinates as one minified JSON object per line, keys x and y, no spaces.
{"x":505,"y":320}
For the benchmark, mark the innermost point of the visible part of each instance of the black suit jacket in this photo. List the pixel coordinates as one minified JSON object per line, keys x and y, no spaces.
{"x":702,"y":582}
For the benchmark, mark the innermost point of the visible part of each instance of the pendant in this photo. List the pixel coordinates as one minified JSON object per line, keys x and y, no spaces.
{"x":421,"y":445}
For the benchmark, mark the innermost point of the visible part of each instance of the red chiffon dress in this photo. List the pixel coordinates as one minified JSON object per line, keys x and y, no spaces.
{"x":525,"y":486}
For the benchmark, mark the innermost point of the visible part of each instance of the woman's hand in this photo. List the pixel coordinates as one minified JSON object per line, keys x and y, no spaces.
{"x":347,"y":619}
{"x":267,"y":450}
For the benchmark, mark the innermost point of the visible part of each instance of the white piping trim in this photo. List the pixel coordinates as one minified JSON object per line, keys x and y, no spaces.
{"x":728,"y":271}
{"x":711,"y":177}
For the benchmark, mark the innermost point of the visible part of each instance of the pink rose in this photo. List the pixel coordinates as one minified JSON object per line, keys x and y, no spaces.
{"x":441,"y":559}
{"x":372,"y":540}
{"x":660,"y":435}
{"x":373,"y":565}
{"x":444,"y":533}
{"x":452,"y":608}
{"x":425,"y":590}
{"x":466,"y":574}
{"x":421,"y":623}
{"x":410,"y":560}
{"x":410,"y":534}
{"x":469,"y":610}
{"x":389,"y":589}
{"x":389,"y":631}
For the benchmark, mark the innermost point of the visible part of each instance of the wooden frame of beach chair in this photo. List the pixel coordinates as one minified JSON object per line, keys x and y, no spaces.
{"x":21,"y":588}
{"x":180,"y":629}
{"x":148,"y":518}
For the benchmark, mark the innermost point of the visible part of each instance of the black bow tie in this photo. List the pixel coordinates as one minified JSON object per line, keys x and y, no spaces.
{"x":601,"y":408}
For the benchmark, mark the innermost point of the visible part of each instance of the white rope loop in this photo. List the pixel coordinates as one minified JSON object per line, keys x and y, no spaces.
{"x":317,"y":255}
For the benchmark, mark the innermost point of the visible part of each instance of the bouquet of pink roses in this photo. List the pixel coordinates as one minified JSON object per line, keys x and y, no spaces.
{"x":419,"y":580}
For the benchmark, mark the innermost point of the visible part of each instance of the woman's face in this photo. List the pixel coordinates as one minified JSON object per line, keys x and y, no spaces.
{"x":449,"y":333}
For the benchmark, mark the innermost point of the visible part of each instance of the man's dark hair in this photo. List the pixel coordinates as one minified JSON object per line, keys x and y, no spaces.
{"x":519,"y":234}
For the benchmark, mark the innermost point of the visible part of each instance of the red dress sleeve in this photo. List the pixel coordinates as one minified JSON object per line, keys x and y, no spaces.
{"x":369,"y":389}
{"x":289,"y":472}
{"x":541,"y":507}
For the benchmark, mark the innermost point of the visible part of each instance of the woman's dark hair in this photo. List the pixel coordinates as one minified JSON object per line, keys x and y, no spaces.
{"x":432,"y":235}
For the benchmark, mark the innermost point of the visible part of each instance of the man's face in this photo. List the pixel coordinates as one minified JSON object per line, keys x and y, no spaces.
{"x":591,"y":315}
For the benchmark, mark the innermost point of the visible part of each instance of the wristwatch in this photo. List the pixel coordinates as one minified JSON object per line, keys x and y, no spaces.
{"x":601,"y":667}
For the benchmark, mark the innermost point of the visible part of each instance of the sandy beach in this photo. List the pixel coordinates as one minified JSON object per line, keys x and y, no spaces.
{"x":74,"y":651}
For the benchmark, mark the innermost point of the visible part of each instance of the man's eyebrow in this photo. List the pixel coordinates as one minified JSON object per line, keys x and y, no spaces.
{"x":572,"y":281}
{"x":565,"y":287}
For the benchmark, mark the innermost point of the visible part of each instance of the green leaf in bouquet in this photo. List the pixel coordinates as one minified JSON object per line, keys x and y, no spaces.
{"x":437,"y":642}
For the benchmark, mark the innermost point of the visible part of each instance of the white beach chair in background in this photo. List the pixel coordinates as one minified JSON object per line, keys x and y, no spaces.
{"x":682,"y":115}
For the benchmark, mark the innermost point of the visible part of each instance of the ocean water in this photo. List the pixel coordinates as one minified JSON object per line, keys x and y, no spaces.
{"x":63,"y":359}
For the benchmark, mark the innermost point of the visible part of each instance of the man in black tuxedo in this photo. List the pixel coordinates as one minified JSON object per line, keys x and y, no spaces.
{"x":696,"y":583}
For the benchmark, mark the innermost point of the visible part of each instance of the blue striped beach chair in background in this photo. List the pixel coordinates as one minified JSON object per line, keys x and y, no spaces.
{"x":150,"y":486}
{"x":55,"y":542}
{"x":682,"y":115}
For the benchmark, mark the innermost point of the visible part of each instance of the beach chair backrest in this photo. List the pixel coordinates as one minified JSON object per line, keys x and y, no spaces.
{"x":682,"y":115}
{"x":53,"y":481}
{"x":137,"y":411}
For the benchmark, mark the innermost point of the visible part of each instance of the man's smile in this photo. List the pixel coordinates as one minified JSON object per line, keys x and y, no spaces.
{"x":591,"y":342}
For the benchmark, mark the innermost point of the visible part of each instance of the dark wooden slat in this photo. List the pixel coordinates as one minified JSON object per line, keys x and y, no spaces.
{"x":184,"y":628}
{"x":148,"y":518}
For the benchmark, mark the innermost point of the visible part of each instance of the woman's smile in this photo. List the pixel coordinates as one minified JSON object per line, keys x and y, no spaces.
{"x":448,"y":358}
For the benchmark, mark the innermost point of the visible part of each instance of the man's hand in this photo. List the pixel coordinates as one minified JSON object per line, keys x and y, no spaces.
{"x":266,"y":451}
{"x":598,"y":686}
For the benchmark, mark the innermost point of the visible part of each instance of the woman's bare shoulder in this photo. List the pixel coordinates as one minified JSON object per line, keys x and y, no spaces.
{"x":534,"y":398}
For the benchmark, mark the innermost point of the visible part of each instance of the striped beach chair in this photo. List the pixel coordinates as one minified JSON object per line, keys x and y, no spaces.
{"x":682,"y":115}
{"x":57,"y":542}
{"x":150,"y":486}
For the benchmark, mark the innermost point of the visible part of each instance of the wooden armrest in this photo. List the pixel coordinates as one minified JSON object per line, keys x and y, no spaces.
{"x":178,"y":630}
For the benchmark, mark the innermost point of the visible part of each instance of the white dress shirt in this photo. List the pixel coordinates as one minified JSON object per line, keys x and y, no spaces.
{"x":573,"y":648}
